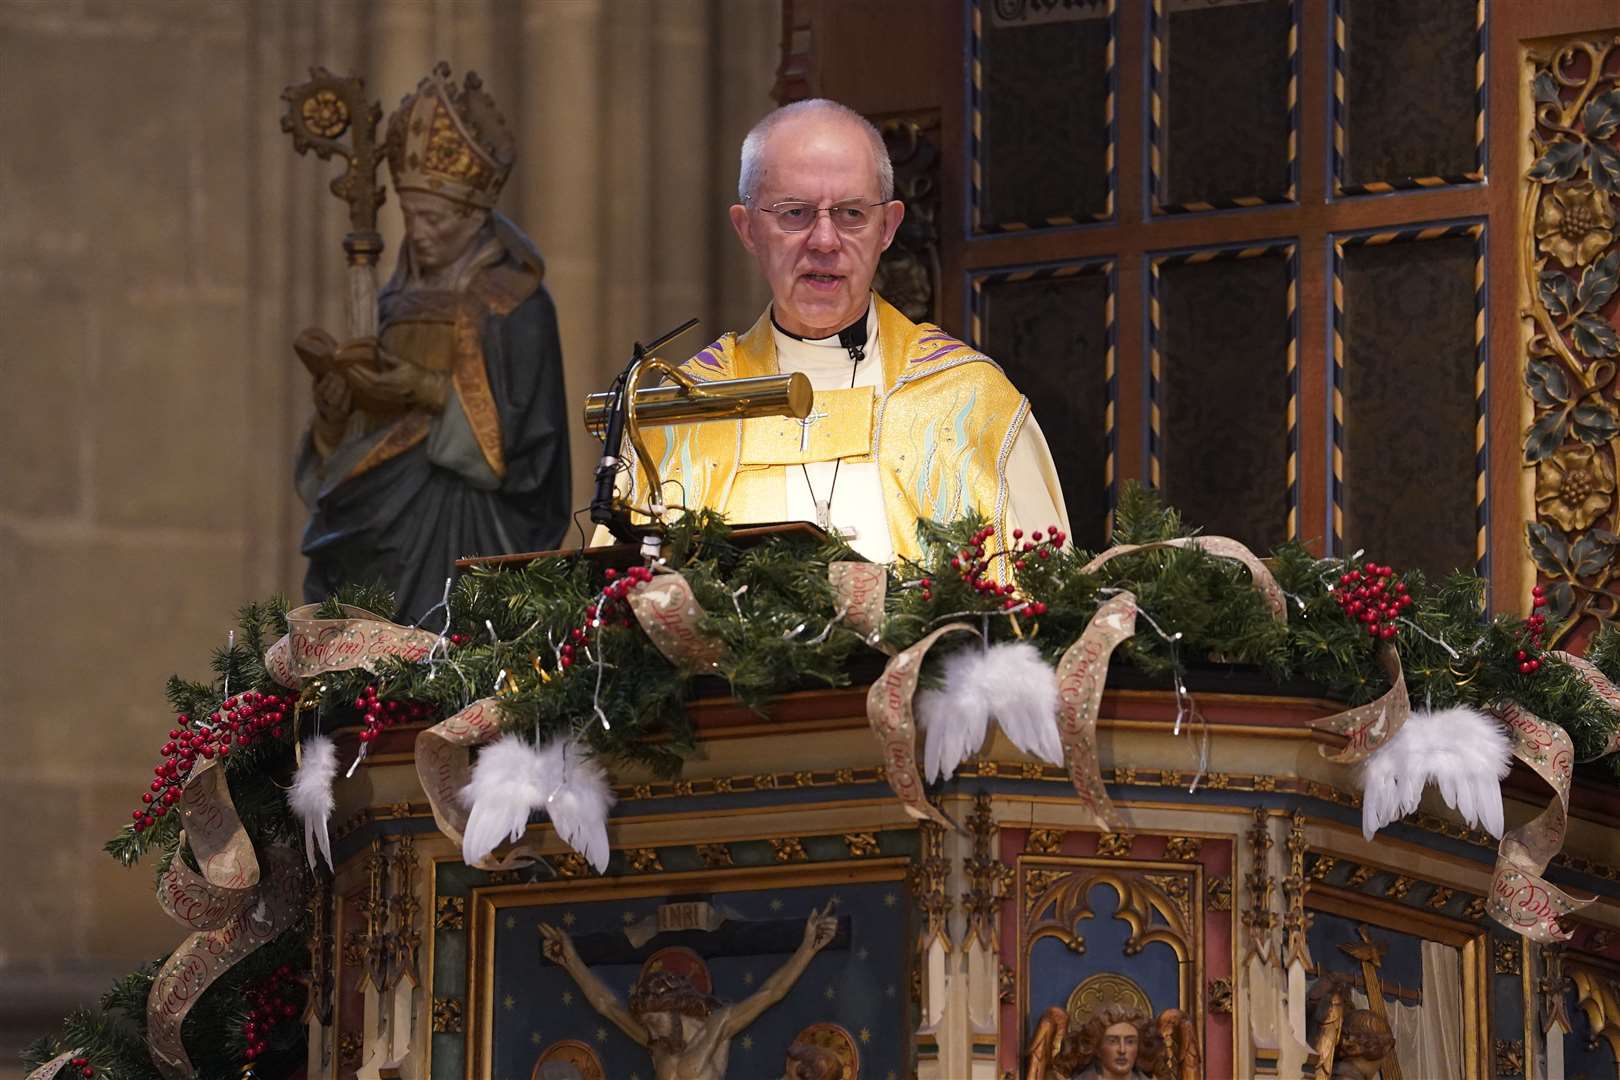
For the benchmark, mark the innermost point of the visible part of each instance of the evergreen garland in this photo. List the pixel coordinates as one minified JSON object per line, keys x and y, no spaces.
{"x":774,"y":609}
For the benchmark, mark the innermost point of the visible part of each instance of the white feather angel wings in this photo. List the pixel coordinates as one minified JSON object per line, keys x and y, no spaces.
{"x":1463,"y":752}
{"x":513,"y":778}
{"x":1009,"y":681}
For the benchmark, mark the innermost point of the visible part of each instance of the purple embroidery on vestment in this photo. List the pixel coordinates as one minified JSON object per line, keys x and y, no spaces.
{"x":937,"y":353}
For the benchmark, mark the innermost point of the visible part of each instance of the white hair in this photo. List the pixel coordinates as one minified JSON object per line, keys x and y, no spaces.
{"x":748,"y":175}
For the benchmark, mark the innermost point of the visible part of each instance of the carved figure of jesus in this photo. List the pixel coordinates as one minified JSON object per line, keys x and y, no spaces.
{"x":688,"y":1033}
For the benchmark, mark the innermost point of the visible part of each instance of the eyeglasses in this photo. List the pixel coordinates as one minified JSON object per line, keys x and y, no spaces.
{"x":847,"y":217}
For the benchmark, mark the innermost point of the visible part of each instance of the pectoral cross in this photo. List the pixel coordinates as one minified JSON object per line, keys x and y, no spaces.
{"x":804,"y":430}
{"x":824,"y":520}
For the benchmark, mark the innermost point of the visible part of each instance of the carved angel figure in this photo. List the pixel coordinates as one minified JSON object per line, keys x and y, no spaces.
{"x":1351,"y":1043}
{"x":1115,"y":1044}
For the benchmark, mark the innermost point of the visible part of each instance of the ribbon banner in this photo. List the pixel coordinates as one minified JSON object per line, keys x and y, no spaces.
{"x":1603,"y":688}
{"x":230,"y":869}
{"x":1521,"y":899}
{"x":1222,"y":547}
{"x":1368,"y":727}
{"x":49,"y":1070}
{"x":444,"y":767}
{"x":669,"y":613}
{"x":313,"y":646}
{"x":271,"y":908}
{"x":1081,"y":674}
{"x":888,"y":710}
{"x":860,"y":589}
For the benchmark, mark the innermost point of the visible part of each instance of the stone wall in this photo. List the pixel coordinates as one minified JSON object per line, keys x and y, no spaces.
{"x":161,"y":245}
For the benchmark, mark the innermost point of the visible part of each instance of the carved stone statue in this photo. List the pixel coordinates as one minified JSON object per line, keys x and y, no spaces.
{"x":445,"y":434}
{"x":688,"y":1033}
{"x":1117,"y":1043}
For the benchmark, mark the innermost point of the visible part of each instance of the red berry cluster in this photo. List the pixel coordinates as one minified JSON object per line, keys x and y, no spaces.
{"x":1536,"y":625}
{"x":972,"y":564}
{"x":1373,"y":597}
{"x":380,"y":715}
{"x":274,"y":1001}
{"x":83,"y":1065}
{"x":238,"y":723}
{"x":609,"y":610}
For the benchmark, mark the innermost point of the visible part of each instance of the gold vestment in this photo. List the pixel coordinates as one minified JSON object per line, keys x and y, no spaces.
{"x":941,"y":427}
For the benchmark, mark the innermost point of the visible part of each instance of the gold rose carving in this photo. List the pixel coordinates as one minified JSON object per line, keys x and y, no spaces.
{"x":1572,"y":264}
{"x":447,"y":1015}
{"x":450,"y":913}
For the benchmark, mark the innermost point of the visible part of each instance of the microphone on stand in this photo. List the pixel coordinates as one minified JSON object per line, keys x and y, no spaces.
{"x":603,"y":511}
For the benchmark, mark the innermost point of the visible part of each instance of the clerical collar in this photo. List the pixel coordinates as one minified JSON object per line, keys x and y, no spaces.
{"x":853,"y":338}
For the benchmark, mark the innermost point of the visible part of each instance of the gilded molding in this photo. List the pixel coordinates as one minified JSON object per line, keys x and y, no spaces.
{"x":1258,"y":919}
{"x":1037,"y":882}
{"x":1155,"y":913}
{"x":643,"y":860}
{"x":1322,"y":866}
{"x":1571,"y":261}
{"x":1510,"y":1057}
{"x":1115,"y":845}
{"x":1311,"y":789}
{"x":404,"y":910}
{"x":1505,"y":956}
{"x":715,"y":855}
{"x":928,"y":874}
{"x":1399,"y":887}
{"x":1551,"y":987}
{"x":349,"y":1047}
{"x":447,"y":1016}
{"x":788,"y":849}
{"x":1176,"y":888}
{"x":1220,"y":996}
{"x":1440,"y":898}
{"x":321,"y":947}
{"x":354,"y":949}
{"x":388,"y":946}
{"x":450,"y":913}
{"x":1218,"y":893}
{"x":989,"y":879}
{"x":1295,"y":921}
{"x":861,"y":844}
{"x":1044,"y":842}
{"x":569,"y":864}
{"x":1360,"y":876}
{"x":1185,"y":848}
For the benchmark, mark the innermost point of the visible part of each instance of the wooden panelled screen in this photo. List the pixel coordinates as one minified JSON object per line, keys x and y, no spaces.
{"x":1267,"y":256}
{"x":1297,"y":352}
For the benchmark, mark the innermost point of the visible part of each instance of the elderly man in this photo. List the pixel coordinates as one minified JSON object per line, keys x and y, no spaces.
{"x":908,"y":422}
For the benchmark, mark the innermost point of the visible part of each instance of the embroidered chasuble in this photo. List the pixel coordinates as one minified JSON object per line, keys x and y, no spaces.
{"x":922,"y":427}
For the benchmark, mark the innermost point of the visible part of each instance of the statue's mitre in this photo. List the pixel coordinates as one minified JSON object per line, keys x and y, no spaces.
{"x":450,"y":141}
